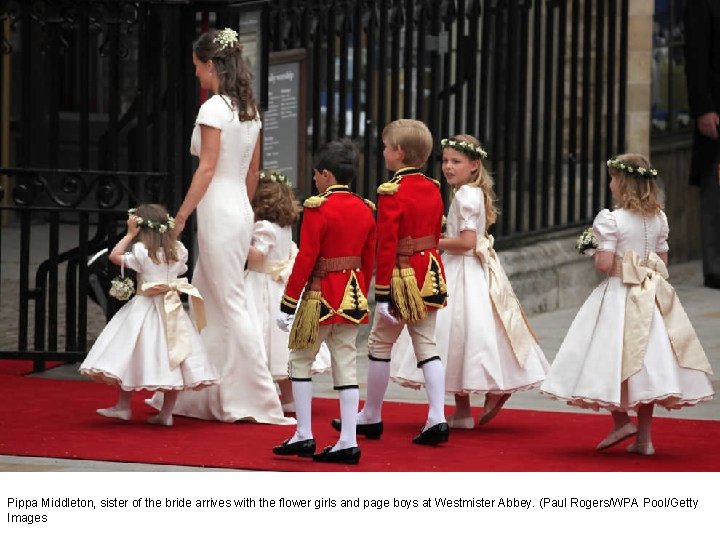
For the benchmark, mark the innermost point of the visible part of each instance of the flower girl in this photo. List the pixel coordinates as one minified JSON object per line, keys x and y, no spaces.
{"x":631,"y":345}
{"x":151,"y":343}
{"x":270,"y":263}
{"x":483,"y":333}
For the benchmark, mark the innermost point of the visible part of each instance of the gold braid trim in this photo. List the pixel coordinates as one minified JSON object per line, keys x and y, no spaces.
{"x":314,"y":201}
{"x":305,"y":328}
{"x":406,"y":296}
{"x":388,"y":188}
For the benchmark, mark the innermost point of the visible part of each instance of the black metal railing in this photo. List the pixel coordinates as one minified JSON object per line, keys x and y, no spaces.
{"x":59,"y":220}
{"x":100,"y":90}
{"x":541,"y":83}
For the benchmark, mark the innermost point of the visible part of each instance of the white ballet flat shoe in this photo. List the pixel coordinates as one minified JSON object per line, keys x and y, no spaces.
{"x":113,"y":412}
{"x":643,"y":449}
{"x":465,"y":422}
{"x":617,"y":436}
{"x":160,"y":421}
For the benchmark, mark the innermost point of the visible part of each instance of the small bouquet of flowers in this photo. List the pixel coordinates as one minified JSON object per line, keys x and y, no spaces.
{"x":586,"y":243}
{"x":122,"y":288}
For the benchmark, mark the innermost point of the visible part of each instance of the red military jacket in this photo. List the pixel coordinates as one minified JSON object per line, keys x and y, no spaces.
{"x":337,"y":223}
{"x":410,"y":205}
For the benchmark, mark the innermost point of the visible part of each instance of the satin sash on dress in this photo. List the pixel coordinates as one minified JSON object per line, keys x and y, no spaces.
{"x":178,"y":337}
{"x":648,"y":286}
{"x":279,"y":271}
{"x":505,"y":303}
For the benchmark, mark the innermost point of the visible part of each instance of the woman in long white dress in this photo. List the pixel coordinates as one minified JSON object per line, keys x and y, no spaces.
{"x":631,"y":345}
{"x":226,"y":140}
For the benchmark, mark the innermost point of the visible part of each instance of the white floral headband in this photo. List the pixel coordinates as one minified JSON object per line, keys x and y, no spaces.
{"x":227,"y":37}
{"x":631,"y":168}
{"x":274,"y":176}
{"x":471,"y":150}
{"x":160,"y":226}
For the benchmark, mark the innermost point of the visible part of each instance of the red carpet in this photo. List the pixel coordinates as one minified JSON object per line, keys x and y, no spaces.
{"x":54,"y":418}
{"x":21,"y":367}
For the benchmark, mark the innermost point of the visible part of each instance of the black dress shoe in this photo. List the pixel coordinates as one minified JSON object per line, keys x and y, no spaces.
{"x":304,"y":448}
{"x":439,"y":433}
{"x":371,"y":431}
{"x":712,"y":281}
{"x":348,"y":456}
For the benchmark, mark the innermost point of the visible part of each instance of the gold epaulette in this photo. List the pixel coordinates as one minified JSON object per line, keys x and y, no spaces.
{"x":314,"y":201}
{"x":370,"y":204}
{"x":388,"y":188}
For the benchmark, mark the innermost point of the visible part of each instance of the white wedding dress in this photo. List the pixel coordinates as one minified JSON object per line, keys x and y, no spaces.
{"x":232,"y":338}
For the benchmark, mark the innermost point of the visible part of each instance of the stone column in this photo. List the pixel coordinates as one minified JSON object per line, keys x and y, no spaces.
{"x":640,"y":23}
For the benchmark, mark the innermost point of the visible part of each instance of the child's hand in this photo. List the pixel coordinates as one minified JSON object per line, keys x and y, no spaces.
{"x":132,"y":226}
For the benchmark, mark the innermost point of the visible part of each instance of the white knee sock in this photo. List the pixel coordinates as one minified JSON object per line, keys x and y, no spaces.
{"x":302,"y":392}
{"x":349,"y":399}
{"x":434,"y":374}
{"x":378,"y":376}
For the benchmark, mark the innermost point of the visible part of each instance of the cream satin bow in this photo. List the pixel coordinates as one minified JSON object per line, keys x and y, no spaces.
{"x":178,"y":337}
{"x":279,"y":270}
{"x":649,"y":287}
{"x":506,"y":304}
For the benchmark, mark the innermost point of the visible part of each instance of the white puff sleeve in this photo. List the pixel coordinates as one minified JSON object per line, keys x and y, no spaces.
{"x":182,"y":254}
{"x":136,"y":258}
{"x":605,"y":230}
{"x":215,"y":112}
{"x":264,"y":236}
{"x":471,"y":208}
{"x":661,"y":245}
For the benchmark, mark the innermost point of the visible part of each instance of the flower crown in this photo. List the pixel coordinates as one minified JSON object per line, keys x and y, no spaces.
{"x":632,"y":169}
{"x":467,"y":148}
{"x":159,"y":226}
{"x":274,"y":176}
{"x":227,"y":37}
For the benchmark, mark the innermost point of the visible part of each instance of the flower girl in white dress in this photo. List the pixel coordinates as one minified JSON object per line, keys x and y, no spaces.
{"x":270,"y":262}
{"x":151,"y":343}
{"x":631,"y":345}
{"x":482,"y":334}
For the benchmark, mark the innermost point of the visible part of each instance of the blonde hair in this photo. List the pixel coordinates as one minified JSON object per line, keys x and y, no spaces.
{"x":637,"y":194}
{"x":275,"y":202}
{"x":482,"y":179}
{"x":413,"y":136}
{"x":158,"y":244}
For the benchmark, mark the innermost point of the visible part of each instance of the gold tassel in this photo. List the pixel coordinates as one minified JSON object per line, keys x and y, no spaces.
{"x":306,"y":325}
{"x":414,"y":301}
{"x":397,"y":292}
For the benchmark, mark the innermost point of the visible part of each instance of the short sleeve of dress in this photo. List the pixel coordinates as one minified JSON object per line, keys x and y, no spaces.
{"x":605,"y":230}
{"x":182,"y":254}
{"x":661,"y":246}
{"x":136,"y":258}
{"x":215,"y":112}
{"x":471,"y":210}
{"x":264,"y":236}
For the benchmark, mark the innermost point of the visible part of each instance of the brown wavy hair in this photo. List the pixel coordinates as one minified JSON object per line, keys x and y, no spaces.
{"x":482,"y":179}
{"x":276,"y":202}
{"x":233,"y":73}
{"x":641,"y":195}
{"x":162,"y":247}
